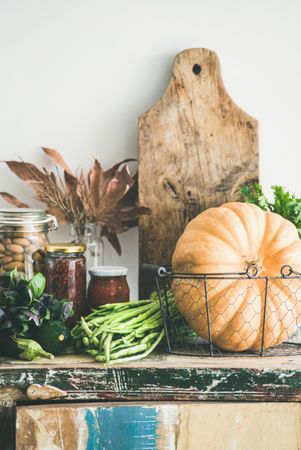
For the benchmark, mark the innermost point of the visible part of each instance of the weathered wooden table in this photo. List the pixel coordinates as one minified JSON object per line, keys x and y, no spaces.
{"x":164,"y":402}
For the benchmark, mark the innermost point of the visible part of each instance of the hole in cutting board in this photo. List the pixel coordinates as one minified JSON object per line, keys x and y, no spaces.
{"x":196,"y":69}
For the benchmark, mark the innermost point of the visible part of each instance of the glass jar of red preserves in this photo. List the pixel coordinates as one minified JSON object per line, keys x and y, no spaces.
{"x":108,"y":284}
{"x":65,"y":271}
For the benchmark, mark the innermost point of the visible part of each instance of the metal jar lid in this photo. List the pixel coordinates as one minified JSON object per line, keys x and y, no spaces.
{"x":65,"y":248}
{"x":18,"y":217}
{"x":108,"y":271}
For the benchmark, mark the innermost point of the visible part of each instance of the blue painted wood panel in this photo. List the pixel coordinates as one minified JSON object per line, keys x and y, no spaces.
{"x":122,"y":428}
{"x":160,"y":426}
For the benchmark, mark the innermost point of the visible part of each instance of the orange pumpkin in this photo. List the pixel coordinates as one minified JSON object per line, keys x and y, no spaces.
{"x":228,"y":239}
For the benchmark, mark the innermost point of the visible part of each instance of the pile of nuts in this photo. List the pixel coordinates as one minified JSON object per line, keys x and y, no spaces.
{"x":22,"y":253}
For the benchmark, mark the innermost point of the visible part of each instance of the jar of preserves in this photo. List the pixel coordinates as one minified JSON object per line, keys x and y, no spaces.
{"x":65,"y":270}
{"x":108,"y":284}
{"x":23,"y":237}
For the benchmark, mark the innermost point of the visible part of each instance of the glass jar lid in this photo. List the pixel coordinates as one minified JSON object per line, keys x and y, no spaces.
{"x":65,"y":248}
{"x":26,"y":216}
{"x":108,"y":271}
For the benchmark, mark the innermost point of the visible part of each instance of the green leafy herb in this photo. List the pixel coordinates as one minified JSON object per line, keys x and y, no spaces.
{"x":37,"y":285}
{"x":24,"y":305}
{"x":284,"y":203}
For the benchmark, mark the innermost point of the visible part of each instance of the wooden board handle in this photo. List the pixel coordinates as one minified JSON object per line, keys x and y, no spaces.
{"x":196,"y":148}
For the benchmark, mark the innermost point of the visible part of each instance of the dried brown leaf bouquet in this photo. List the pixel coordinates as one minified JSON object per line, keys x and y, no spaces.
{"x":106,"y":197}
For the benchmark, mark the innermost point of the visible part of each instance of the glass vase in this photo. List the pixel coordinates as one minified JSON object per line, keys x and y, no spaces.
{"x":89,"y":234}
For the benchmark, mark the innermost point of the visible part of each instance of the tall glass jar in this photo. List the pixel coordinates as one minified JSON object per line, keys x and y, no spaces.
{"x":65,"y":272}
{"x":23,"y":237}
{"x":89,"y":234}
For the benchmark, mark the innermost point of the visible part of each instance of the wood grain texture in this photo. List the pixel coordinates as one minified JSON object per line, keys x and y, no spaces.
{"x":163,"y":360}
{"x":247,"y":426}
{"x":196,"y":147}
{"x":161,"y":426}
{"x":158,"y":378}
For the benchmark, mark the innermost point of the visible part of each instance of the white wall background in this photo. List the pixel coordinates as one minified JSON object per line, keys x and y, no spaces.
{"x":76,"y":74}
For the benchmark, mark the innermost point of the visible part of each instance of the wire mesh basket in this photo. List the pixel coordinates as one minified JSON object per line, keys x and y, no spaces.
{"x":231,"y":314}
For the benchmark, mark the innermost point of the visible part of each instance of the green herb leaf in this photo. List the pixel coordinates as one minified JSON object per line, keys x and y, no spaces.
{"x":24,"y":305}
{"x":37,"y":285}
{"x":284,"y":203}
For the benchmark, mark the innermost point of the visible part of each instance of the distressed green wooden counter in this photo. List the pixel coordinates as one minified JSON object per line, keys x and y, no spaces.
{"x":165,"y":385}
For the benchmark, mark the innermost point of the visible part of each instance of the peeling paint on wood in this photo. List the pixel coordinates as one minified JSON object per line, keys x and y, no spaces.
{"x":177,"y":426}
{"x":133,"y":428}
{"x":159,"y":378}
{"x":159,"y":384}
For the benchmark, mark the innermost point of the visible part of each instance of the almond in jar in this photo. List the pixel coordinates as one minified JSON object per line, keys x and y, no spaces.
{"x":23,"y":238}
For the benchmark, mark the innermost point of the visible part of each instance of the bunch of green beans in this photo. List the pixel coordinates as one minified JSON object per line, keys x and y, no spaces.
{"x":120,"y":332}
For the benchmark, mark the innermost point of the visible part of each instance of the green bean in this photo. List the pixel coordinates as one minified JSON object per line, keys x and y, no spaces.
{"x":85,"y":341}
{"x":122,"y":316}
{"x":141,"y":355}
{"x":139,"y":318}
{"x":106,"y":346}
{"x":107,"y":306}
{"x":149,"y":326}
{"x":128,"y":339}
{"x":116,"y":343}
{"x":96,"y":332}
{"x":149,"y":337}
{"x":98,"y":320}
{"x":85,"y":327}
{"x":153,"y":296}
{"x":100,"y":358}
{"x":138,"y":321}
{"x":76,"y":330}
{"x":94,"y":340}
{"x":103,"y":337}
{"x":120,"y":346}
{"x":121,"y":332}
{"x":129,"y":351}
{"x":116,"y":330}
{"x":92,"y":352}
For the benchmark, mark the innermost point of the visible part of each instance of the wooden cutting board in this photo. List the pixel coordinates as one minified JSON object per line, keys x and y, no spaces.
{"x":196,"y":147}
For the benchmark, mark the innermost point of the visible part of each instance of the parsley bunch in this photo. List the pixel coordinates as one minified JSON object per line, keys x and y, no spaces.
{"x":284,"y":203}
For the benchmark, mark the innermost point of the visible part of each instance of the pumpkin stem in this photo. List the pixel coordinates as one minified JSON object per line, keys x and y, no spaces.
{"x":253,"y":261}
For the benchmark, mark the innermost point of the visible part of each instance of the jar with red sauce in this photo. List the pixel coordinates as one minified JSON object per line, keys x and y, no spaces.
{"x":65,"y":270}
{"x":108,"y":284}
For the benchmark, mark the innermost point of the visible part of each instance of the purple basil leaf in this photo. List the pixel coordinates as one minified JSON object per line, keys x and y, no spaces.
{"x":66,"y":311}
{"x":32,"y":316}
{"x":46,"y":301}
